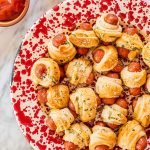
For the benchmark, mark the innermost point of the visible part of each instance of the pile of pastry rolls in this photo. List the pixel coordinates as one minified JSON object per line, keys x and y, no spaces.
{"x":71,"y":112}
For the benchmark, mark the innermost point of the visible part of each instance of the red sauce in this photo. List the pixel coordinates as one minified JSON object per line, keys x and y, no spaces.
{"x":11,"y":9}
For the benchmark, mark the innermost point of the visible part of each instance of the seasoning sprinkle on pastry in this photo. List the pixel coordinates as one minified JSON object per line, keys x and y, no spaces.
{"x":141,"y":110}
{"x":79,"y":71}
{"x":84,"y":102}
{"x":133,"y":77}
{"x":58,"y":96}
{"x":108,"y":87}
{"x":146,"y":54}
{"x":60,"y":119}
{"x":107,"y":28}
{"x":105,"y":58}
{"x":102,"y":138}
{"x":129,"y":43}
{"x":132,"y":136}
{"x":114,"y":115}
{"x":61,"y":49}
{"x":84,"y":36}
{"x":77,"y":136}
{"x":45,"y":72}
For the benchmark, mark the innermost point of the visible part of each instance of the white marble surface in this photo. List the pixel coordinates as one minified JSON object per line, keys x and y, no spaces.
{"x":11,"y":137}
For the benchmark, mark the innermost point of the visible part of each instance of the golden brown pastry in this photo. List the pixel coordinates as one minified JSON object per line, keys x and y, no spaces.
{"x":62,"y":118}
{"x":129,"y":134}
{"x":146,"y":54}
{"x":45,"y":72}
{"x":114,"y":114}
{"x":58,"y":96}
{"x":84,"y":38}
{"x":107,"y":31}
{"x":133,"y":79}
{"x":85,"y":103}
{"x":64,"y":52}
{"x":78,"y":71}
{"x":109,"y":60}
{"x":142,"y":110}
{"x":102,"y":136}
{"x":148,"y":83}
{"x":78,"y":134}
{"x":108,"y":87}
{"x":131,"y":41}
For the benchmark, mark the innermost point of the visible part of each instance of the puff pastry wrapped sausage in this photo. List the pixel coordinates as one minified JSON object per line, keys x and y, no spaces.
{"x":142,"y":110}
{"x":63,"y":53}
{"x":102,"y":136}
{"x":146,"y":54}
{"x":108,"y":87}
{"x":78,"y":134}
{"x":84,"y":38}
{"x":129,"y":134}
{"x":85,"y":103}
{"x":133,"y":79}
{"x":78,"y":71}
{"x":131,"y":41}
{"x":62,"y":118}
{"x":114,"y":114}
{"x":109,"y":60}
{"x":58,"y":96}
{"x":45,"y":72}
{"x":107,"y":32}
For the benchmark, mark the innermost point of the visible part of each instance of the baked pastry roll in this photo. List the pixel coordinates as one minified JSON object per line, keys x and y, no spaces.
{"x":85,"y":103}
{"x":130,"y":41}
{"x":146,"y":54}
{"x":63,"y":53}
{"x":148,"y":83}
{"x":78,"y":71}
{"x":45,"y":72}
{"x":78,"y":134}
{"x":58,"y":96}
{"x":142,"y":110}
{"x":107,"y":32}
{"x":83,"y":38}
{"x":109,"y":60}
{"x":102,"y":136}
{"x":114,"y":114}
{"x":129,"y":134}
{"x":62,"y":118}
{"x":133,"y":79}
{"x":108,"y":87}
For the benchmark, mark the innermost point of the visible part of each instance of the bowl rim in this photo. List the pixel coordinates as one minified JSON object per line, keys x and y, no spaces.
{"x":16,"y":20}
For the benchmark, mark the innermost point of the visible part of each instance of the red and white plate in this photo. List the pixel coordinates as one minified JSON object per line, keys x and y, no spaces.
{"x":29,"y":116}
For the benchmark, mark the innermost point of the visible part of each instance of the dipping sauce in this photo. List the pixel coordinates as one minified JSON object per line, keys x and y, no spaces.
{"x":11,"y":9}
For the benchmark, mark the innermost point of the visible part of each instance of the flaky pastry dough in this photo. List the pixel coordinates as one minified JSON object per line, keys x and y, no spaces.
{"x":142,"y":110}
{"x":102,"y":136}
{"x":58,"y":96}
{"x":108,"y":87}
{"x":129,"y":134}
{"x":109,"y":60}
{"x":79,"y":134}
{"x":52,"y":76}
{"x":85,"y":103}
{"x":62,"y":118}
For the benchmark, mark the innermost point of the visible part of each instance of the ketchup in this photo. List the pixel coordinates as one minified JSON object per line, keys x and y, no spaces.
{"x":11,"y":9}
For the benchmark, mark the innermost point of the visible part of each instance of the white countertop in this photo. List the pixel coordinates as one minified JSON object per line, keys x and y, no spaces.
{"x":11,"y":137}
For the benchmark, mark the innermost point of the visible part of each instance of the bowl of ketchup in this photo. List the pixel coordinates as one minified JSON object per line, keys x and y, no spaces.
{"x":12,"y":11}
